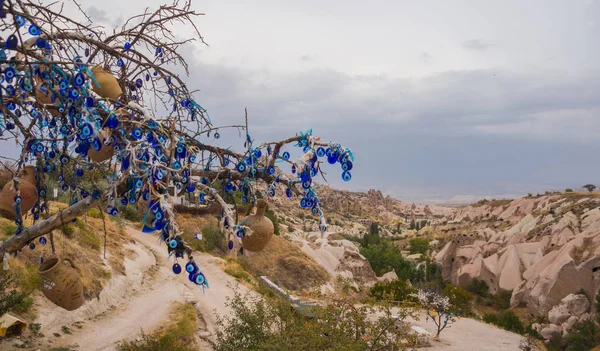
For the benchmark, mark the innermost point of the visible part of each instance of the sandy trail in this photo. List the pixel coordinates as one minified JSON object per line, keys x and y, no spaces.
{"x":470,"y":335}
{"x":148,"y":306}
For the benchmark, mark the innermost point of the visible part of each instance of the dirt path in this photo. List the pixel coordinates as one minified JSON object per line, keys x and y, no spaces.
{"x":148,"y":305}
{"x":470,"y":335}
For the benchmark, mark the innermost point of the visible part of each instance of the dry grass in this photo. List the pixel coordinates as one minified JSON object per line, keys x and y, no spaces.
{"x":286,"y":265}
{"x":83,"y":244}
{"x":238,"y":270}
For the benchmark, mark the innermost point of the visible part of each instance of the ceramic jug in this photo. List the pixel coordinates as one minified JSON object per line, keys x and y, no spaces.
{"x":262,"y":228}
{"x":28,"y":191}
{"x":61,"y":284}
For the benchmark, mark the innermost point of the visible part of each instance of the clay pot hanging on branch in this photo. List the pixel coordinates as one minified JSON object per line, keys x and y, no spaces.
{"x":61,"y":284}
{"x":262,"y":228}
{"x":106,"y":151}
{"x":43,"y":93}
{"x":28,"y":194}
{"x":107,"y":85}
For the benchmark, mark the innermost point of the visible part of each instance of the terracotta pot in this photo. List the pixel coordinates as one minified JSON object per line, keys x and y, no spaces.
{"x":106,"y":151}
{"x":109,"y":87}
{"x":262,"y":228}
{"x":54,"y":111}
{"x":28,"y":190}
{"x":43,"y":97}
{"x":61,"y":283}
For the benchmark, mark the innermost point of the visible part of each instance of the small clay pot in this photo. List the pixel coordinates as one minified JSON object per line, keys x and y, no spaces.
{"x":61,"y":284}
{"x":109,"y":87}
{"x":262,"y":228}
{"x":44,"y":97}
{"x":28,"y":190}
{"x":106,"y":151}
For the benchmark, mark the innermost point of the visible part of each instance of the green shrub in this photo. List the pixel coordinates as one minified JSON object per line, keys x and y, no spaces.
{"x":491,"y":318}
{"x":568,"y":190}
{"x":532,"y":332}
{"x":397,"y":290}
{"x":9,"y":297}
{"x":28,"y":279}
{"x":131,"y":213}
{"x":273,"y":217}
{"x":256,"y":323}
{"x":511,"y":322}
{"x":157,"y":343}
{"x":24,"y":305}
{"x":506,"y":320}
{"x":68,"y":230}
{"x":384,"y":256}
{"x":212,"y":237}
{"x":7,"y":228}
{"x":501,"y":301}
{"x":584,"y":336}
{"x":94,"y":213}
{"x":478,"y":287}
{"x":418,"y":245}
{"x":459,"y":298}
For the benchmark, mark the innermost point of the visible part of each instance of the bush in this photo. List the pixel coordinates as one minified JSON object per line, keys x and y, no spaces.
{"x":478,"y":287}
{"x":94,"y":213}
{"x":418,"y":245}
{"x":511,"y":322}
{"x":384,"y":256}
{"x":568,"y":190}
{"x":131,"y":213}
{"x":10,"y":299}
{"x":212,"y":238}
{"x":273,"y":217}
{"x":459,"y":298}
{"x":7,"y":228}
{"x":397,"y":290}
{"x":255,"y":323}
{"x":157,"y":342}
{"x":506,"y":320}
{"x":501,"y":300}
{"x":491,"y":318}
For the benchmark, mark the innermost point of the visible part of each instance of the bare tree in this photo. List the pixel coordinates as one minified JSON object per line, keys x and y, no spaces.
{"x":77,"y":98}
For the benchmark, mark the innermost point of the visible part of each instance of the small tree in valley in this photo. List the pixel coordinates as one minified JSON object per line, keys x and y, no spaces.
{"x":589,"y":187}
{"x":437,"y":307}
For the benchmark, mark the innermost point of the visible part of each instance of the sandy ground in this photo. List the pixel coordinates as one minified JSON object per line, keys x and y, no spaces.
{"x":470,"y":335}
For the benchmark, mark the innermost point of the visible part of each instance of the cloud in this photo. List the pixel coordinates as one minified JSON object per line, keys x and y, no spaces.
{"x":98,"y":15}
{"x":535,"y":105}
{"x":306,"y":58}
{"x":425,"y":57}
{"x":476,"y":44}
{"x":488,"y":132}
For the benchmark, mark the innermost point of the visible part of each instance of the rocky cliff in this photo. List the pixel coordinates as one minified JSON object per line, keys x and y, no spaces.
{"x":541,"y":248}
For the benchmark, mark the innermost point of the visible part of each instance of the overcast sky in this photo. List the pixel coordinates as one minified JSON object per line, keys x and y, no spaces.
{"x":439,"y":100}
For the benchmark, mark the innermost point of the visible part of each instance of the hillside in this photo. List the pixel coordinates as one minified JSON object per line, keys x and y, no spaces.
{"x":544,"y":249}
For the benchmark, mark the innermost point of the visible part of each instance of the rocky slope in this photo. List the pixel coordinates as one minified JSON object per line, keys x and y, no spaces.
{"x":541,"y":248}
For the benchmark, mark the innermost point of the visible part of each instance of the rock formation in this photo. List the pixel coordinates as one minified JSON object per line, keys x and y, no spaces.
{"x":541,"y":248}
